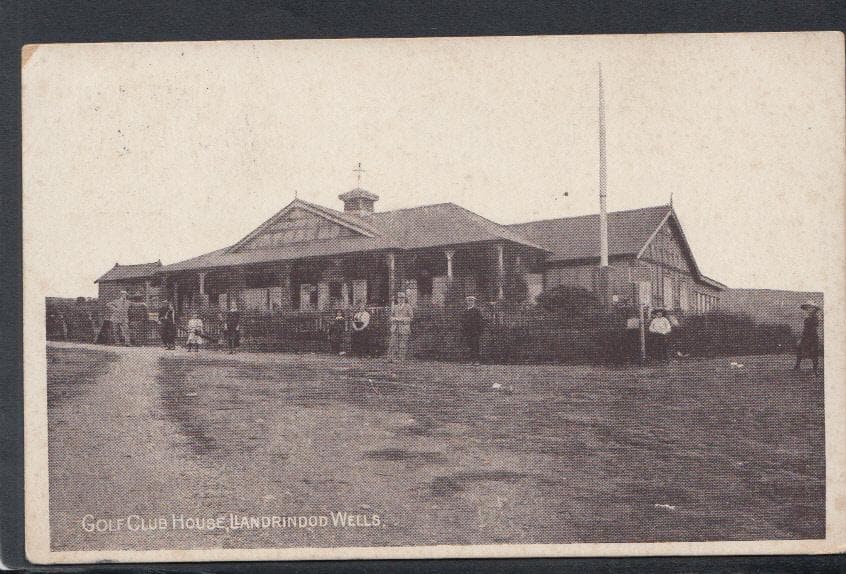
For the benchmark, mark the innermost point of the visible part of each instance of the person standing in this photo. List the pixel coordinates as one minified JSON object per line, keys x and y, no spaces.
{"x":195,"y":332}
{"x":401,"y":315}
{"x":632,"y":337}
{"x":93,"y":325}
{"x":63,"y":327}
{"x":659,"y":333}
{"x":809,"y":343}
{"x":53,"y":329}
{"x":233,"y":329}
{"x":120,"y":317}
{"x":167,"y":325}
{"x":336,"y":332}
{"x":472,"y":325}
{"x":361,"y":331}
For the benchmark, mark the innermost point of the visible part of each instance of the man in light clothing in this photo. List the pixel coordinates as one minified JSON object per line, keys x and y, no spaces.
{"x":120,"y":317}
{"x":659,"y":332}
{"x":401,"y":315}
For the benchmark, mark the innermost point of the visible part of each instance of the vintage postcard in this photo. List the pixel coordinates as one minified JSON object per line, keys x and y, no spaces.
{"x":426,"y":298}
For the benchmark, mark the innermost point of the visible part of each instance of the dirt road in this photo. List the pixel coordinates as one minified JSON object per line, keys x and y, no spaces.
{"x":425,"y":453}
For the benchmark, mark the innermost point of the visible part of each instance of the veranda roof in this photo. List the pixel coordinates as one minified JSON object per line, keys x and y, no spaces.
{"x":137,"y":271}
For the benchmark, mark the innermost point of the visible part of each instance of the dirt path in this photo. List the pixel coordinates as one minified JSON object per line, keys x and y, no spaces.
{"x":559,"y":454}
{"x":122,"y":460}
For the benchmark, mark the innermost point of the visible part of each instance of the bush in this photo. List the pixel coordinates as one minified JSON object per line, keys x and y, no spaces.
{"x":722,"y":333}
{"x":569,"y":301}
{"x":527,"y":336}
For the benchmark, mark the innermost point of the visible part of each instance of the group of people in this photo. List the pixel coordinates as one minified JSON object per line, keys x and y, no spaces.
{"x":401,"y":316}
{"x":116,"y":327}
{"x":362,"y":342}
{"x":657,"y":333}
{"x":660,"y":327}
{"x":361,"y":336}
{"x":196,"y":330}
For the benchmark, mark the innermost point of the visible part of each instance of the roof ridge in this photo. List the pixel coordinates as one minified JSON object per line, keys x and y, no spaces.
{"x":664,"y":206}
{"x":156,"y":262}
{"x":417,"y":207}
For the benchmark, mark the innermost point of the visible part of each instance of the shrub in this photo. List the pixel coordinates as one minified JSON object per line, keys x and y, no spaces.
{"x":722,"y":333}
{"x":569,"y":301}
{"x":521,"y":336}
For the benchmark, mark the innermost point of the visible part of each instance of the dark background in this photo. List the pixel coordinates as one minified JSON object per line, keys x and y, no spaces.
{"x":38,"y":21}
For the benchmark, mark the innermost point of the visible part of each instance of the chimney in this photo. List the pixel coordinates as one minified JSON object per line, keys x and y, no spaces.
{"x":359,"y":201}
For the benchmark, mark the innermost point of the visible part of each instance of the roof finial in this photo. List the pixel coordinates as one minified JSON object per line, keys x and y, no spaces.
{"x":671,"y":199}
{"x":295,"y":194}
{"x":358,"y":171}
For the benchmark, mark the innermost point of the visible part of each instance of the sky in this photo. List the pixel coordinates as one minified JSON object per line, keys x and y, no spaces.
{"x":139,"y":152}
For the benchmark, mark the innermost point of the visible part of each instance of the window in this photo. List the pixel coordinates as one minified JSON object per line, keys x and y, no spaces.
{"x":260,"y":280}
{"x":308,"y":297}
{"x":669,"y":301}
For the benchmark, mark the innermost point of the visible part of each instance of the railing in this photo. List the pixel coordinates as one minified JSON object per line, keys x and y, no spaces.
{"x":282,"y":330}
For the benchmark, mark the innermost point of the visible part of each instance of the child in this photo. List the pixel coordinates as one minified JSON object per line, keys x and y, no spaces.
{"x":195,"y":330}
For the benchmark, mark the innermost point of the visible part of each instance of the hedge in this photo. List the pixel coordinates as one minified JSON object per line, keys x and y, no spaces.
{"x":528,"y":335}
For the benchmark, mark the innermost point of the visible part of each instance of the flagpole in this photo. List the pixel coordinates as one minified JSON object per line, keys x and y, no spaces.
{"x":603,"y":177}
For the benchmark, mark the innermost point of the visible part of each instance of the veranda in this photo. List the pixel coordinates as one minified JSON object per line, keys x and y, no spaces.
{"x":297,"y":299}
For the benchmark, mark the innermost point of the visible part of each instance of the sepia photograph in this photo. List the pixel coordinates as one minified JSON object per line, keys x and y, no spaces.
{"x":442,"y":297}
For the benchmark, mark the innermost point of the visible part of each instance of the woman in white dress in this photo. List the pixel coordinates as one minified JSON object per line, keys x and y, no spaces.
{"x":360,"y":338}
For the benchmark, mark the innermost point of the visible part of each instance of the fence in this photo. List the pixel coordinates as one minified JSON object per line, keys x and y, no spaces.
{"x":260,"y":331}
{"x":529,"y":335}
{"x":306,"y":331}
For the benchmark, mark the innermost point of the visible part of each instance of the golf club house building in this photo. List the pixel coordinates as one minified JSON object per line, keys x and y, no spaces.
{"x":309,"y":258}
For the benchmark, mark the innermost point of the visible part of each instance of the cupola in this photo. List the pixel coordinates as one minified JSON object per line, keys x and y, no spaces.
{"x":359,"y":201}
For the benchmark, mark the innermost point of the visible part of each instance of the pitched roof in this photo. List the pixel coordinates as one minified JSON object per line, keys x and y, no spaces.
{"x":446,"y":224}
{"x":572,"y":238}
{"x":138,"y":271}
{"x":436,"y":225}
{"x":348,"y":220}
{"x":443,"y":224}
{"x":629,"y":232}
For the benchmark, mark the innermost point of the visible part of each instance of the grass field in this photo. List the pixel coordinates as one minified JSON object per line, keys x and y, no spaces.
{"x":690,"y":451}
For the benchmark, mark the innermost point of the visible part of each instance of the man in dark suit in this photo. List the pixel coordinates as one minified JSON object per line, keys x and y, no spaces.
{"x":472,"y":324}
